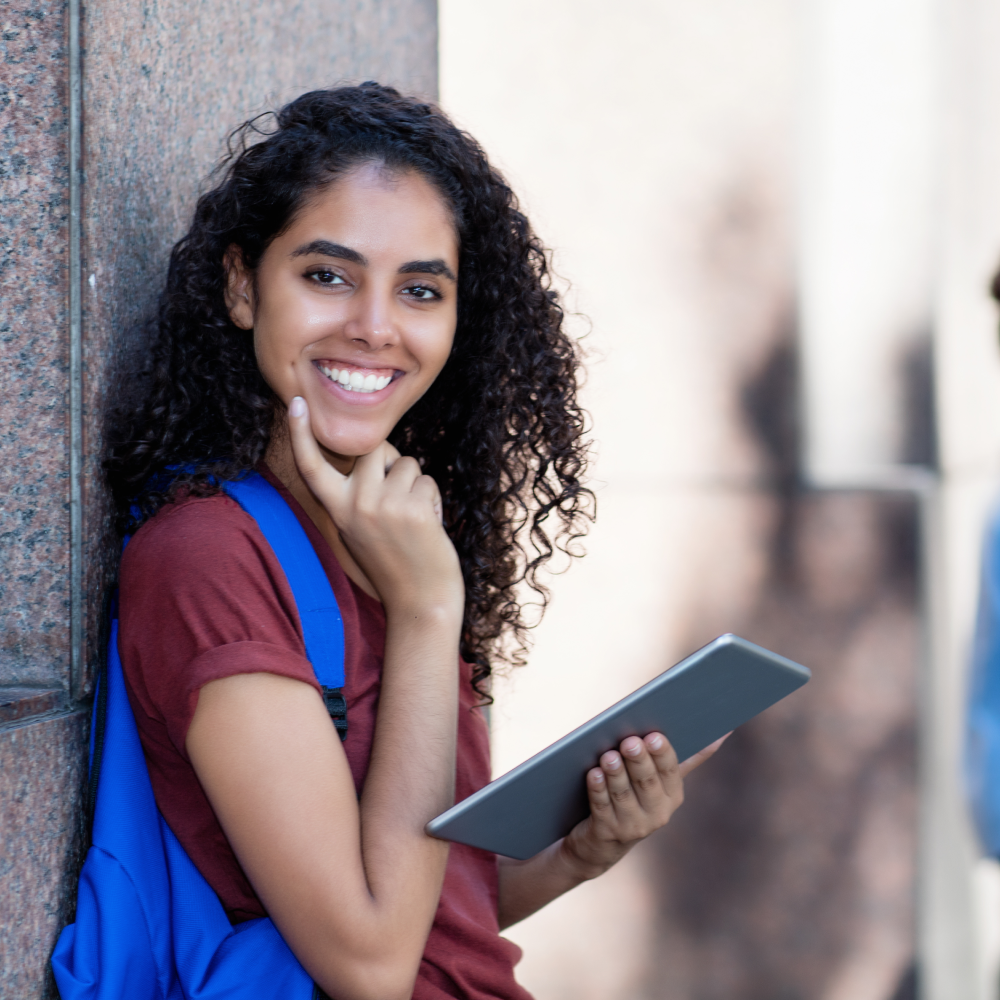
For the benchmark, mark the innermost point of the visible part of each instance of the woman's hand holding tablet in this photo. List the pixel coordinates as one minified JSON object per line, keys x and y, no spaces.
{"x":632,"y":793}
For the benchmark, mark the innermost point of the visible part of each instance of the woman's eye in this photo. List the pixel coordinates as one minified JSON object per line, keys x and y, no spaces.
{"x":326,"y":277}
{"x":422,"y":292}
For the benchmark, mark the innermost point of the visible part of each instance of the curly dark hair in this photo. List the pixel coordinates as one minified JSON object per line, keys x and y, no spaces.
{"x":500,"y":430}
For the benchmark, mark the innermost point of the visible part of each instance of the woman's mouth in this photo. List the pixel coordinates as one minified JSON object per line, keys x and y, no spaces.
{"x":352,"y":379}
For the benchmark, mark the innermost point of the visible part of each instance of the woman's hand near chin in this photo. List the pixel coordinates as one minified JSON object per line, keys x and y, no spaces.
{"x":389,"y":516}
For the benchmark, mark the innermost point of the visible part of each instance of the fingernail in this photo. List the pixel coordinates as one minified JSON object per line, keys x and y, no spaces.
{"x":655,"y":742}
{"x":598,"y":777}
{"x":614,"y":763}
{"x":633,"y":749}
{"x":297,"y":408}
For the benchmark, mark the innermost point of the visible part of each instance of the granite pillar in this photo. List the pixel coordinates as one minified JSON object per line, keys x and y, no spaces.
{"x":142,"y":96}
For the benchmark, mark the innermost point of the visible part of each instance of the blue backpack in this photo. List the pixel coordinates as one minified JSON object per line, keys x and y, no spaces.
{"x":148,"y":925}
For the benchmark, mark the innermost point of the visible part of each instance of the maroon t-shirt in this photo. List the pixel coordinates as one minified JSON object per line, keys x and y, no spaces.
{"x":202,"y":596}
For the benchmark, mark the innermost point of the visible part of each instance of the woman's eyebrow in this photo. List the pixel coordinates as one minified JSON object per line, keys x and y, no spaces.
{"x":328,"y":249}
{"x":436,"y":266}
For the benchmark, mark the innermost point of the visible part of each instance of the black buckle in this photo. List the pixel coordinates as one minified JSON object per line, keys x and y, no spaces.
{"x":336,"y":705}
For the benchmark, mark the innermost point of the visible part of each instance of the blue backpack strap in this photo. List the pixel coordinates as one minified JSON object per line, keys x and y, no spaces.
{"x":322,"y":625}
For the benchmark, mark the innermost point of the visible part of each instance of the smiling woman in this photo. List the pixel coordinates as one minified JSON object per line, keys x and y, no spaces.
{"x":361,"y":283}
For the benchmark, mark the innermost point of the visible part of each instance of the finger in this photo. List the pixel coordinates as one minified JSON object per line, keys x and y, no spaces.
{"x":404,"y":473}
{"x":699,"y":758}
{"x":321,"y":477}
{"x":623,"y":798}
{"x":600,"y":799}
{"x":665,"y":760}
{"x":643,"y":774}
{"x":370,"y":473}
{"x":377,"y":463}
{"x":426,"y":488}
{"x":390,"y":455}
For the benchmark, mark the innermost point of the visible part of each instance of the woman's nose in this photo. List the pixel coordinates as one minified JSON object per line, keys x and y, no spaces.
{"x":372,"y":326}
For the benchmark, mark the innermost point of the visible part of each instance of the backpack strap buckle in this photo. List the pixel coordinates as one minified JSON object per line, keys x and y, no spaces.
{"x":336,"y":705}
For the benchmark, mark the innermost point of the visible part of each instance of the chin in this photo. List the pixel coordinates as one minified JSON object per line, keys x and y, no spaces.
{"x":351,"y":445}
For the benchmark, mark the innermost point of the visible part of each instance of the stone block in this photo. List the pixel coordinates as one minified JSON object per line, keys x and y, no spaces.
{"x":34,"y":258}
{"x":43,"y":769}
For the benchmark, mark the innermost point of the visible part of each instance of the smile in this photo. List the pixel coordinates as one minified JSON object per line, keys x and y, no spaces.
{"x":362,"y":380}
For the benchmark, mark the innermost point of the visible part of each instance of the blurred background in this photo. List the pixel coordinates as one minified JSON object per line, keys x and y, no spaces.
{"x":775,"y":223}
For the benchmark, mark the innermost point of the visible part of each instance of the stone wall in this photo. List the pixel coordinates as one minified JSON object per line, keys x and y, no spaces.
{"x":160,"y":85}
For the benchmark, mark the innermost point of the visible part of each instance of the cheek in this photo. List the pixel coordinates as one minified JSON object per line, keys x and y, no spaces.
{"x":272,"y":359}
{"x":436,"y":345}
{"x":278,"y":341}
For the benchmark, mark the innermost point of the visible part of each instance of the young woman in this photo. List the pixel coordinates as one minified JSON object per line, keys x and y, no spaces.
{"x":361,"y":313}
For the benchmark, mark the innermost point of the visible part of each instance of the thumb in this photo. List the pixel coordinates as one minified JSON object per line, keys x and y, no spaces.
{"x":699,"y":758}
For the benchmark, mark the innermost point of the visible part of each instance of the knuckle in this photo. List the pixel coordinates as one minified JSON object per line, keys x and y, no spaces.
{"x":669,"y":768}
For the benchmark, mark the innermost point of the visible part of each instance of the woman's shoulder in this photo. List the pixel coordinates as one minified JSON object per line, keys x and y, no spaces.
{"x":211,"y":531}
{"x":200,"y":575}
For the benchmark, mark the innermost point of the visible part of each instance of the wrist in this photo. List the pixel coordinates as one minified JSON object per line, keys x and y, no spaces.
{"x":426,"y":614}
{"x":581,"y":864}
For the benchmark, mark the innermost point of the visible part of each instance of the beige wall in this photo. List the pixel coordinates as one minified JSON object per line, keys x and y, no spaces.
{"x":661,"y":149}
{"x":653,"y":145}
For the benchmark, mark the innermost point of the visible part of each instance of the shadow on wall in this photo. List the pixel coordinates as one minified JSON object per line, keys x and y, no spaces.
{"x":789,"y":874}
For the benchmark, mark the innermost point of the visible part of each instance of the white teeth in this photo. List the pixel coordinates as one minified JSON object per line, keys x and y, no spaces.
{"x":356,"y":381}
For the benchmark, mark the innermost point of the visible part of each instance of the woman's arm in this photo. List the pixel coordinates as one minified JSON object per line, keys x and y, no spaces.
{"x":353,"y":887}
{"x":631,"y":794}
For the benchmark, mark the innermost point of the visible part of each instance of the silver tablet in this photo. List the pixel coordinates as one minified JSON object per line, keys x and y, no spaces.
{"x":713,"y":691}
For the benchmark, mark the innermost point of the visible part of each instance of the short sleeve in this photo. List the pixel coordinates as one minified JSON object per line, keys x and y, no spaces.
{"x":201,"y":597}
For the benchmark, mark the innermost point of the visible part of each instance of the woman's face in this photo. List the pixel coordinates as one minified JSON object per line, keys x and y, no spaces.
{"x":354,"y":305}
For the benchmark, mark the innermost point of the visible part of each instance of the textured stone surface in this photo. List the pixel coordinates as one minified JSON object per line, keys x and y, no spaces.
{"x":164,"y":84}
{"x":42,"y":769}
{"x":34,"y":207}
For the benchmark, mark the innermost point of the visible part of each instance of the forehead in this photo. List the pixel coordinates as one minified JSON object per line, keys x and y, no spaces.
{"x":378,"y":209}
